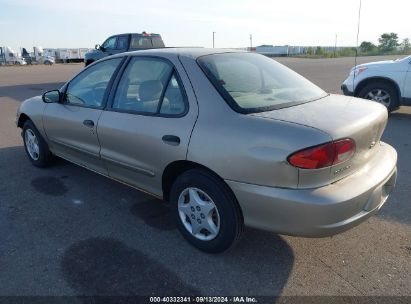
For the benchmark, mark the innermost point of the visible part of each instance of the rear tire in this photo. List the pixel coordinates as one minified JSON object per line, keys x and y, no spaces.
{"x":382,"y":93}
{"x":36,"y":147}
{"x":206,"y":212}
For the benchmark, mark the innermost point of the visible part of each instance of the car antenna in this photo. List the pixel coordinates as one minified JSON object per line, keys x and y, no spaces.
{"x":356,"y":49}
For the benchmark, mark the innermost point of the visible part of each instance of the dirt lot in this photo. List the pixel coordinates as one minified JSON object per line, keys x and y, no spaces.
{"x":67,"y":231}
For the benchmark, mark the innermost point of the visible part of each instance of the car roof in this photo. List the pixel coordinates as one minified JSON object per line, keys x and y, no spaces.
{"x":192,"y":52}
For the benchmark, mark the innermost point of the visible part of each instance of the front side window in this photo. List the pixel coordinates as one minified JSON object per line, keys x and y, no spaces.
{"x":110,"y":43}
{"x":150,"y":86}
{"x":255,"y":83}
{"x":89,"y":87}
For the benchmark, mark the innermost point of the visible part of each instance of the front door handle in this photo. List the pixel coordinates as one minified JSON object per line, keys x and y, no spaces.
{"x":88,"y":123}
{"x":171,"y":140}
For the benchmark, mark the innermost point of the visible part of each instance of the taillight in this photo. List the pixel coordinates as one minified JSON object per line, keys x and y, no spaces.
{"x":325,"y":155}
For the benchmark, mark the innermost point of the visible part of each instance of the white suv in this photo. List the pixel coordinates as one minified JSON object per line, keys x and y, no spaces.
{"x":387,"y":82}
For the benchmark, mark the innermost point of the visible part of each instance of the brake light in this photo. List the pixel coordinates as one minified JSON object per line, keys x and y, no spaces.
{"x":325,"y":155}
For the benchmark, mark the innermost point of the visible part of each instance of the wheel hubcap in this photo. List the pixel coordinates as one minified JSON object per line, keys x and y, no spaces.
{"x":199,"y":214}
{"x":379,"y":96}
{"x":32,"y":144}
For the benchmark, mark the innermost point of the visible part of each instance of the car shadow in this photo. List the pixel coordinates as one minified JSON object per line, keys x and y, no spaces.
{"x":110,"y":240}
{"x":24,"y":91}
{"x":398,"y":135}
{"x":400,"y":116}
{"x":117,"y":241}
{"x":110,"y":267}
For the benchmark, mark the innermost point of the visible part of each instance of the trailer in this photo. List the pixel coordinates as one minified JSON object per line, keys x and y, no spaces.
{"x":70,"y":54}
{"x":271,"y":50}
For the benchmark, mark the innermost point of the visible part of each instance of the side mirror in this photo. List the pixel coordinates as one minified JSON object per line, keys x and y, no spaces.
{"x":98,"y":47}
{"x":53,"y":96}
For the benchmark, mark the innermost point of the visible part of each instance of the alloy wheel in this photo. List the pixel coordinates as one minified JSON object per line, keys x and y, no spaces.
{"x":199,"y":214}
{"x":380,"y":96}
{"x":32,"y":144}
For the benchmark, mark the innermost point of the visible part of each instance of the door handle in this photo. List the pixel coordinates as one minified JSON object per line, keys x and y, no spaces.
{"x":171,"y":140}
{"x":88,"y":123}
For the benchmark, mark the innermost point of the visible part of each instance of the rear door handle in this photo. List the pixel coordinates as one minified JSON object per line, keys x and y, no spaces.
{"x":88,"y":123}
{"x":171,"y":140}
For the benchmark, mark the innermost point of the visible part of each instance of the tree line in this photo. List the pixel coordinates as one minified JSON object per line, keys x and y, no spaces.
{"x":388,"y":43}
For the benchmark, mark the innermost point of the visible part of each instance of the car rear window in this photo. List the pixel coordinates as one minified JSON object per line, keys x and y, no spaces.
{"x":158,"y":42}
{"x":254,"y":83}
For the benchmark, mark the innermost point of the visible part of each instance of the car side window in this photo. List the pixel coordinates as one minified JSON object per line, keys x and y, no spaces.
{"x":140,"y":42}
{"x":110,"y":43}
{"x":173,"y":102}
{"x":157,"y":42}
{"x":149,"y":86}
{"x":89,"y":87}
{"x":122,"y":42}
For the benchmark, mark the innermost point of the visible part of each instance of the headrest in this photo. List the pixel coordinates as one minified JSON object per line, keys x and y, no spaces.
{"x":150,"y":90}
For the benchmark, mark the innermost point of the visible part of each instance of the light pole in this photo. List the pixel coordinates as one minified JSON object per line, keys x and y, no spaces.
{"x":213,"y":38}
{"x":335,"y":46}
{"x":251,"y":42}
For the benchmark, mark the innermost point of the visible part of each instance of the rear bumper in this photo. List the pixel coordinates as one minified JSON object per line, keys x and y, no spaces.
{"x":320,"y":211}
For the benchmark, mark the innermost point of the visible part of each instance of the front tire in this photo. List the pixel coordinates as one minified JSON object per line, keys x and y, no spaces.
{"x":36,"y":147}
{"x":206,"y":212}
{"x":88,"y":62}
{"x":382,"y":93}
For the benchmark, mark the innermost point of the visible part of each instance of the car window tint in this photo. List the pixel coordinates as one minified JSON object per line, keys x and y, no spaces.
{"x":140,"y":42}
{"x":142,"y":85}
{"x":234,"y":79}
{"x":88,"y":88}
{"x":110,"y":43}
{"x":122,"y":42}
{"x":157,"y":42}
{"x":255,"y":83}
{"x":173,"y":102}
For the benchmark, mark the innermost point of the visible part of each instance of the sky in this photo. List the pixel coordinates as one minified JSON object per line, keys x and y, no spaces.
{"x":84,"y":23}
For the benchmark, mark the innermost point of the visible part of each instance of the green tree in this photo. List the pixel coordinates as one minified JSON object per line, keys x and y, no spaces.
{"x":367,"y":47}
{"x":310,"y":51}
{"x":319,"y":51}
{"x":347,"y":52}
{"x":405,"y":45}
{"x":388,"y":42}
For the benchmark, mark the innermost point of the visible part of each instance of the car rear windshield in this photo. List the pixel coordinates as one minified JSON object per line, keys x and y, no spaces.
{"x":255,"y":83}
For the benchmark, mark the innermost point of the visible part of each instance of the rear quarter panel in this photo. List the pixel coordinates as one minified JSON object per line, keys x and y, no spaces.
{"x":242,"y":147}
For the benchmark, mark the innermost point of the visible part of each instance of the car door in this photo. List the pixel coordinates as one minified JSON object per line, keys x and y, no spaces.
{"x":148,"y":123}
{"x":71,"y":125}
{"x":407,"y":84}
{"x":109,"y":46}
{"x":122,"y":44}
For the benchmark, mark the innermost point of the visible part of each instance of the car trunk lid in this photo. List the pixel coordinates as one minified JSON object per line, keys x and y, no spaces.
{"x":340,"y":117}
